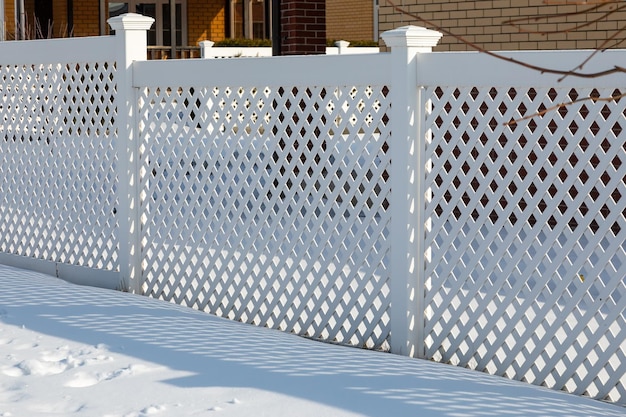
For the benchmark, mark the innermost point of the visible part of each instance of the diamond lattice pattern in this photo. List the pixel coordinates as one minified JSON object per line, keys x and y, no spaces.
{"x":527,"y":237}
{"x":57,"y":178}
{"x":270,"y":206}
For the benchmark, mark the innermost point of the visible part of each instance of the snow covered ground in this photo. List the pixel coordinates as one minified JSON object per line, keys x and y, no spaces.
{"x":77,"y":351}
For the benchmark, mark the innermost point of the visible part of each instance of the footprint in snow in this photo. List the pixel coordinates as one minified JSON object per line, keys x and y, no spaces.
{"x":148,"y":411}
{"x":36,"y":368}
{"x":89,"y":379}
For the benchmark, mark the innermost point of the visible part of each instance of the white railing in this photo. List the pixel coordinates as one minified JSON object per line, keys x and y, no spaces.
{"x":209,"y":51}
{"x":376,"y":200}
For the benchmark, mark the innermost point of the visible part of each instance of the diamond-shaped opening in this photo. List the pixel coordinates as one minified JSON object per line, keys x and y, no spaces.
{"x":542,"y":206}
{"x":605,"y":211}
{"x":493,"y":124}
{"x":605,"y":112}
{"x":616,"y":228}
{"x":552,"y":94}
{"x":553,"y":159}
{"x":483,"y":170}
{"x":502,"y":108}
{"x":522,"y":173}
{"x":583,"y":177}
{"x":616,"y":129}
{"x":572,"y":224}
{"x":553,"y":126}
{"x":542,"y":174}
{"x":616,"y":195}
{"x":552,"y":190}
{"x":552,"y":223}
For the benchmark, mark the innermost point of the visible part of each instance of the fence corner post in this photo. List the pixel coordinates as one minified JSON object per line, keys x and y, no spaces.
{"x":131,"y":33}
{"x":407,"y":185}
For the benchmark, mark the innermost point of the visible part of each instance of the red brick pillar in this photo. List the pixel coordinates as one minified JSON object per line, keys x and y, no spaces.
{"x":303,"y":27}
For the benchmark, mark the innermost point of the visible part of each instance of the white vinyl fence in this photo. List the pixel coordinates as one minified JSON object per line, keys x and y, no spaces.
{"x":376,"y":200}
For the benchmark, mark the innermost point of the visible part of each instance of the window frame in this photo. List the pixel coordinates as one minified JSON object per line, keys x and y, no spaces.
{"x":158,"y":19}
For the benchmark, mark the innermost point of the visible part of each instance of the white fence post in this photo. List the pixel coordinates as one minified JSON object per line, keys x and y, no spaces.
{"x":342,"y":46}
{"x":131,"y":31}
{"x":205,"y":48}
{"x":407,"y":189}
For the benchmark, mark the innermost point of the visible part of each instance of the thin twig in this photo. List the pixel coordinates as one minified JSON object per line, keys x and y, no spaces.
{"x":516,"y":22}
{"x":560,"y":105}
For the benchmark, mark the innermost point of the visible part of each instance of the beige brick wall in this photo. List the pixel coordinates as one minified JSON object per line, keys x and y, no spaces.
{"x":59,"y":14}
{"x":205,"y":20}
{"x":351,"y":20}
{"x":9,"y":19}
{"x":86,"y":18}
{"x":483,"y":22}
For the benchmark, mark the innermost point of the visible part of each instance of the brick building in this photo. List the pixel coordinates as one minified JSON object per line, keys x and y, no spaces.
{"x":352,"y":20}
{"x":483,"y":23}
{"x":196,"y":20}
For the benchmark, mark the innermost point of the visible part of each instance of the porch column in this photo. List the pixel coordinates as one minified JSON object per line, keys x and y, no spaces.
{"x":2,"y":29}
{"x":303,"y":27}
{"x":173,"y":29}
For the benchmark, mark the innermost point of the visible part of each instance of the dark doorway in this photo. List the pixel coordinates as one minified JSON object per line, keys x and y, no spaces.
{"x":43,"y":19}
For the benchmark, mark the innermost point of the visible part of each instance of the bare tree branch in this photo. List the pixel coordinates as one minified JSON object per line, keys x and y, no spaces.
{"x":518,"y":23}
{"x":566,"y":104}
{"x":577,"y":72}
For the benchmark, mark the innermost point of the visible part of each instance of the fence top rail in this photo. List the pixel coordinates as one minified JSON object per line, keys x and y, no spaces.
{"x":372,"y":69}
{"x":479,"y":69}
{"x":53,"y":51}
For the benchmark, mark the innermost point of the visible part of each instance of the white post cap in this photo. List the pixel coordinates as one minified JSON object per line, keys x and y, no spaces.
{"x":206,"y":44}
{"x":130,"y":21}
{"x":412,"y":37}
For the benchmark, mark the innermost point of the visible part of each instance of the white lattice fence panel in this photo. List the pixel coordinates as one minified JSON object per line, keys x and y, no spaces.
{"x":527,"y":237}
{"x":57,"y":175}
{"x":269,"y":205}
